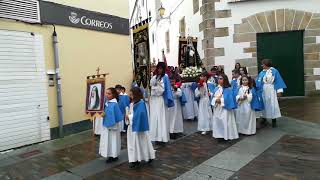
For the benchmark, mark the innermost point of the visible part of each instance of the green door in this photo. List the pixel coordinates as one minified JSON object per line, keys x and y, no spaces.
{"x":285,"y":49}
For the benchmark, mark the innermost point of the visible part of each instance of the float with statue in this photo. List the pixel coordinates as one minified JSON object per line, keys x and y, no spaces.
{"x":189,"y":60}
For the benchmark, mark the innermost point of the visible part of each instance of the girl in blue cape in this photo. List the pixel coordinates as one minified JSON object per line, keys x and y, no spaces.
{"x":205,"y":111}
{"x":110,"y":140}
{"x":235,"y":82}
{"x":270,"y":82}
{"x":190,"y":109}
{"x":175,"y":112}
{"x":223,"y":102}
{"x":161,"y":99}
{"x":124,"y":102}
{"x":245,"y":113}
{"x":138,"y":141}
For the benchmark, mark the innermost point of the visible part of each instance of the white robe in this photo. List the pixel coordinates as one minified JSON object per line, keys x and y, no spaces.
{"x":190,"y":109}
{"x":138,"y":143}
{"x":159,"y":127}
{"x":175,"y":114}
{"x":245,"y":115}
{"x":223,"y":122}
{"x":110,"y":141}
{"x":269,"y":96}
{"x":98,"y":125}
{"x":205,"y":112}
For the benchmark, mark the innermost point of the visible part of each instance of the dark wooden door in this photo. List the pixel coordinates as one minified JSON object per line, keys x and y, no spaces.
{"x":285,"y":49}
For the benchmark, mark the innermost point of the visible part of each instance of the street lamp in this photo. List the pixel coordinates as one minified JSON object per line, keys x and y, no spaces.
{"x":161,"y":11}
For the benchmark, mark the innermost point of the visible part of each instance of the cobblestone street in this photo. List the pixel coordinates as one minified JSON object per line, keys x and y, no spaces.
{"x":290,"y":151}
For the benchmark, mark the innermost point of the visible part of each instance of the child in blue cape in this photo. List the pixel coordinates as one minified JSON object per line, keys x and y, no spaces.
{"x":175,"y":112}
{"x":271,"y":84}
{"x":235,"y":82}
{"x":138,"y":141}
{"x":190,"y":109}
{"x":245,"y":113}
{"x":124,"y":102}
{"x":223,"y":102}
{"x":110,"y":140}
{"x":161,"y":99}
{"x":205,"y":111}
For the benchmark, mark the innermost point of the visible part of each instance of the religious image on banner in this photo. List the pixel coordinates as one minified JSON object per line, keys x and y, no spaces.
{"x":94,"y":97}
{"x":188,"y":53}
{"x":141,"y":55}
{"x":95,"y":94}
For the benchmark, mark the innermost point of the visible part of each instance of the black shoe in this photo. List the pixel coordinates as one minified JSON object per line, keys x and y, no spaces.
{"x":274,"y":123}
{"x":220,"y":140}
{"x":109,"y":160}
{"x":264,"y":121}
{"x":132,"y":165}
{"x":150,"y":161}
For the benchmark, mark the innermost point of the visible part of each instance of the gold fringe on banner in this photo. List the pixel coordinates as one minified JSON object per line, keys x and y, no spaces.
{"x":140,"y":28}
{"x":94,"y":116}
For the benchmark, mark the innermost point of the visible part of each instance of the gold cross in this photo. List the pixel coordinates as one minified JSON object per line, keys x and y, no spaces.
{"x":98,"y":70}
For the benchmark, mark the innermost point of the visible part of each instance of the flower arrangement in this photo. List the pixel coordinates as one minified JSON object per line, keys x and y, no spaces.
{"x":191,"y":72}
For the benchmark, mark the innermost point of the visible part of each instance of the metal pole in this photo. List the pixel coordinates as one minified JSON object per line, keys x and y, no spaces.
{"x":58,"y":81}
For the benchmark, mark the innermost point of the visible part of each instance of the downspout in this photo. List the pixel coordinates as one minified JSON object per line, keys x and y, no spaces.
{"x":58,"y":81}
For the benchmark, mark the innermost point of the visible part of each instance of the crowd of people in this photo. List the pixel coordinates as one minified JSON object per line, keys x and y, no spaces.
{"x":226,"y":108}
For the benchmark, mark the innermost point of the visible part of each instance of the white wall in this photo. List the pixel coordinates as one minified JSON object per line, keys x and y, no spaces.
{"x":244,"y":9}
{"x":179,"y":9}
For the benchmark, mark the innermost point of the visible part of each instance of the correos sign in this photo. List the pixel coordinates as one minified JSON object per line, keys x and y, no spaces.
{"x":84,"y":20}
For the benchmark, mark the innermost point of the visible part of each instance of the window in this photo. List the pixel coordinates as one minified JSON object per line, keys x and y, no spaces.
{"x":152,"y":38}
{"x":195,"y":6}
{"x":168,"y":41}
{"x":182,"y":27}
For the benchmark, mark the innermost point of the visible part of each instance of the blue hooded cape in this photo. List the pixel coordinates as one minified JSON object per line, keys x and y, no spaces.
{"x":124,"y":101}
{"x":211,"y":86}
{"x":167,"y":95}
{"x":183,"y":99}
{"x":278,"y":81}
{"x":256,"y":102}
{"x":113,"y":114}
{"x":229,"y":100}
{"x":194,"y":86}
{"x":234,"y":86}
{"x":140,"y":121}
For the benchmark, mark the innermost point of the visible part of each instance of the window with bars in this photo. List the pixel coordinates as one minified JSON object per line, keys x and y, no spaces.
{"x":168,"y":41}
{"x":195,"y":6}
{"x":182,"y":27}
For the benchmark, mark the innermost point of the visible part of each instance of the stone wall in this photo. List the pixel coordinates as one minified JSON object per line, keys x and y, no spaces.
{"x":282,"y":20}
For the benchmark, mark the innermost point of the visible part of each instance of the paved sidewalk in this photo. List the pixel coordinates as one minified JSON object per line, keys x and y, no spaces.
{"x":172,"y":160}
{"x":295,"y":143}
{"x":304,"y":108}
{"x":291,"y":157}
{"x":225,"y":164}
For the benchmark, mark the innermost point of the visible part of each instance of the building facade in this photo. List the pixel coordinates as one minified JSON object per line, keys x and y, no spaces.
{"x":181,"y":19}
{"x":288,"y":32}
{"x":244,"y":31}
{"x":91,"y":34}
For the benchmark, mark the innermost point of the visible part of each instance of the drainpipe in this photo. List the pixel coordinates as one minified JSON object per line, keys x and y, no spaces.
{"x":58,"y":81}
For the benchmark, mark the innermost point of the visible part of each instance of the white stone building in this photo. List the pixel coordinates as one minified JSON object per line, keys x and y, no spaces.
{"x":182,"y":18}
{"x":245,"y":31}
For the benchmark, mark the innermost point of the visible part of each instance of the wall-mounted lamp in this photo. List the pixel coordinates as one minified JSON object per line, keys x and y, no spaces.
{"x":161,"y":11}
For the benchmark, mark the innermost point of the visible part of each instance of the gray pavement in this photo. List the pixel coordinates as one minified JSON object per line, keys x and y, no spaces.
{"x":226,"y":163}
